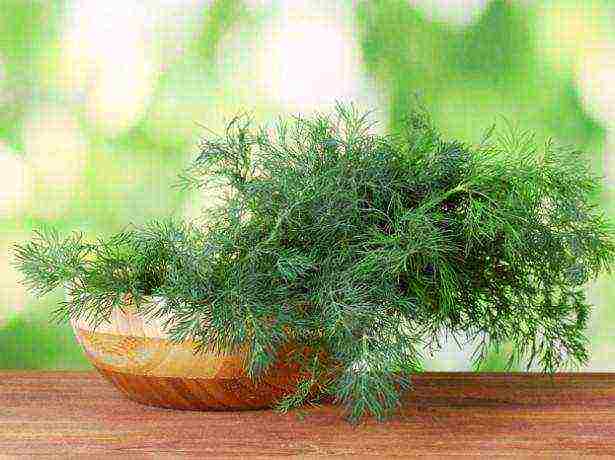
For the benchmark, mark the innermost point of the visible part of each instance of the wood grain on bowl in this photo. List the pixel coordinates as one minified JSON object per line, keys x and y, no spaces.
{"x":137,"y":356}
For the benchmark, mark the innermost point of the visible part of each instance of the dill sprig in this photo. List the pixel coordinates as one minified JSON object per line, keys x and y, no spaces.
{"x":365,"y":247}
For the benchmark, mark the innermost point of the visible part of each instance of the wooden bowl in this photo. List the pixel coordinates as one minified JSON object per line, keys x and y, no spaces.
{"x":137,"y":357}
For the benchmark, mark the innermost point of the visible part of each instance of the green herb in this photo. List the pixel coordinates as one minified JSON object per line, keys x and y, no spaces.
{"x":366,"y":247}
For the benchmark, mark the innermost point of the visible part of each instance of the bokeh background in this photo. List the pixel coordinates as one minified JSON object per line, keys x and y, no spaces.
{"x":101,"y":101}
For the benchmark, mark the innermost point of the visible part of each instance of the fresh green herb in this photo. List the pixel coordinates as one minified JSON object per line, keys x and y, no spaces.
{"x":366,"y":247}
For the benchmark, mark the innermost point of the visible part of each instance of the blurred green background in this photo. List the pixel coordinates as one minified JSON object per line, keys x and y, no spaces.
{"x":100,"y":104}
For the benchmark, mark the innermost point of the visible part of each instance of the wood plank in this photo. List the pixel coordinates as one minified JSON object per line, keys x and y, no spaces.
{"x":487,"y":414}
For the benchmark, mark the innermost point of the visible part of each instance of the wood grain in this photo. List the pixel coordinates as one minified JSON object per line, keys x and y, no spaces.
{"x":448,"y":414}
{"x":137,"y":356}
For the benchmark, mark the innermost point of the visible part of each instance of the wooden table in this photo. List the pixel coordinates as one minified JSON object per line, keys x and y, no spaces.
{"x":491,"y":414}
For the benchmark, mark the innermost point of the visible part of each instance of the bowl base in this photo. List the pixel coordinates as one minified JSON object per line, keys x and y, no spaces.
{"x":202,"y":394}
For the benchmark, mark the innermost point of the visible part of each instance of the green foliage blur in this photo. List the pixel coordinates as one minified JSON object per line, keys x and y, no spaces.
{"x":100,"y":108}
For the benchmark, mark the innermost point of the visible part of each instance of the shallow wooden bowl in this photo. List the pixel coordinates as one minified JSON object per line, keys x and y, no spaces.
{"x":137,"y":357}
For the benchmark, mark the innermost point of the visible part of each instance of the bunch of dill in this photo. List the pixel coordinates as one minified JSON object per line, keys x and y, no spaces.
{"x":367,"y":247}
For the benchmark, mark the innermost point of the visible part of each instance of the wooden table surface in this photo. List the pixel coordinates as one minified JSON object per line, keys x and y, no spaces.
{"x":68,"y":414}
